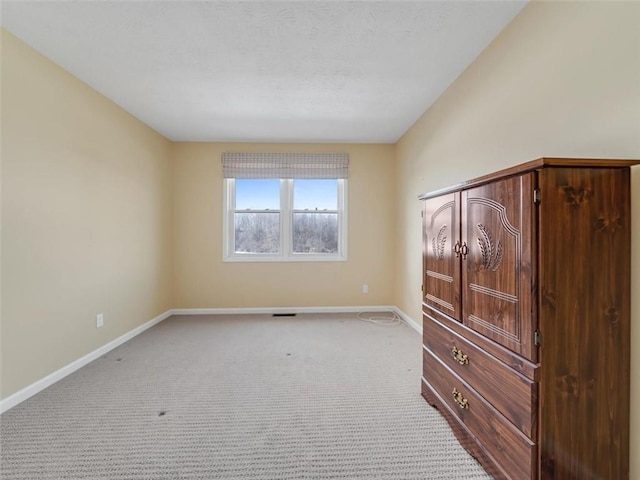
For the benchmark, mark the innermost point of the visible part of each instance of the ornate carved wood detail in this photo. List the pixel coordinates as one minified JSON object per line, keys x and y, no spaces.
{"x":493,"y":293}
{"x":438,"y":243}
{"x":440,"y":302}
{"x":435,"y":214}
{"x":491,"y":253}
{"x":502,"y":212}
{"x":494,"y":328}
{"x":439,"y":276}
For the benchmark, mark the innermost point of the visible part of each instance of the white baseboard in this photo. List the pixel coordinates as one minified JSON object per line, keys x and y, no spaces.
{"x":270,"y":310}
{"x":408,"y":320}
{"x":267,"y":310}
{"x":27,"y":392}
{"x":21,"y":395}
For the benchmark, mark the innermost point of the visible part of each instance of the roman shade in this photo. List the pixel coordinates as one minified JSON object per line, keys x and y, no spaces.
{"x":284,"y":165}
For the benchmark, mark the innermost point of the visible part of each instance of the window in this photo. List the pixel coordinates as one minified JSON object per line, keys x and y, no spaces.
{"x":315,"y":221}
{"x":281,"y":214}
{"x":257,"y":216}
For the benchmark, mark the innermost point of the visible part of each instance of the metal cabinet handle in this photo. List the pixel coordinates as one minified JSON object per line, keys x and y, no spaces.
{"x":458,"y":356}
{"x":464,"y":250}
{"x":460,"y":400}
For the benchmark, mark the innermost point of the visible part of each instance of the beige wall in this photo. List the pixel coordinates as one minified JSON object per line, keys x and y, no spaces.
{"x":86,"y":218}
{"x":563,"y":79}
{"x":203,"y":280}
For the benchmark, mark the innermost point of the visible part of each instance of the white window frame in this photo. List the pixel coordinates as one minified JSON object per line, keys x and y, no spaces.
{"x":286,"y":232}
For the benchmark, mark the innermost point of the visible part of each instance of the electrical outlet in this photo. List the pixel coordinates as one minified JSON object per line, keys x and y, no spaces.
{"x":99,"y":320}
{"x":365,"y":288}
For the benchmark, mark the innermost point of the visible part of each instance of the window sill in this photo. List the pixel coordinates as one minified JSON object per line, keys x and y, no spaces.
{"x":259,"y":258}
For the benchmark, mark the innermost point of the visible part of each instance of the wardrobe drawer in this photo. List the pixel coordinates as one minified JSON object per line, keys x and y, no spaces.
{"x":513,"y":394}
{"x":508,"y":446}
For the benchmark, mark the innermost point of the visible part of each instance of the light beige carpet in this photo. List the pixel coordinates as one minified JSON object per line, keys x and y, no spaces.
{"x":240,"y":397}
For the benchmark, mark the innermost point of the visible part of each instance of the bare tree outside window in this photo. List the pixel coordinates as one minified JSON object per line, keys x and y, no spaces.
{"x":257,"y":232}
{"x":315,"y":217}
{"x":315,"y":232}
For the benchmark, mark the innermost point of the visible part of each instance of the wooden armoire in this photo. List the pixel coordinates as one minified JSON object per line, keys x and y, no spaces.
{"x":526,"y":309}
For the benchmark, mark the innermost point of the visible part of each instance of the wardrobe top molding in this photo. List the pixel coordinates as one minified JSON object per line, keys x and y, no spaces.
{"x":532,"y":165}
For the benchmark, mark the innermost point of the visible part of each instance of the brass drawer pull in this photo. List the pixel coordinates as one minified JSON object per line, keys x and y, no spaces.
{"x":458,"y":356}
{"x":460,"y":400}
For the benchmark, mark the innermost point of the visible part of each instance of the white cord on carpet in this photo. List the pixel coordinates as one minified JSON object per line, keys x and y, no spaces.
{"x":385,"y":321}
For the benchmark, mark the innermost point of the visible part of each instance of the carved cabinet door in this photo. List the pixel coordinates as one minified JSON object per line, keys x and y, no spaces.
{"x":497,"y":262}
{"x":441,"y":282}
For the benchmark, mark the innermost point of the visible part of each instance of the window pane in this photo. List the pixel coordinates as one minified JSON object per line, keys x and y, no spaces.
{"x":257,"y":232}
{"x":315,"y":232}
{"x":257,"y":194}
{"x":315,"y":194}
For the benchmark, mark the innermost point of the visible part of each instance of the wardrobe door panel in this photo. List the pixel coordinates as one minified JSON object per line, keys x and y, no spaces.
{"x":497,"y":266}
{"x":441,"y":282}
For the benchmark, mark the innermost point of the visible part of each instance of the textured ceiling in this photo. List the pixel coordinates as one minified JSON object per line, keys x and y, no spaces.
{"x":298,"y":71}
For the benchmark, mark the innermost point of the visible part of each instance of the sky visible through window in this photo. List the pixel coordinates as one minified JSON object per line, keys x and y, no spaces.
{"x":263,"y":194}
{"x":257,"y":194}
